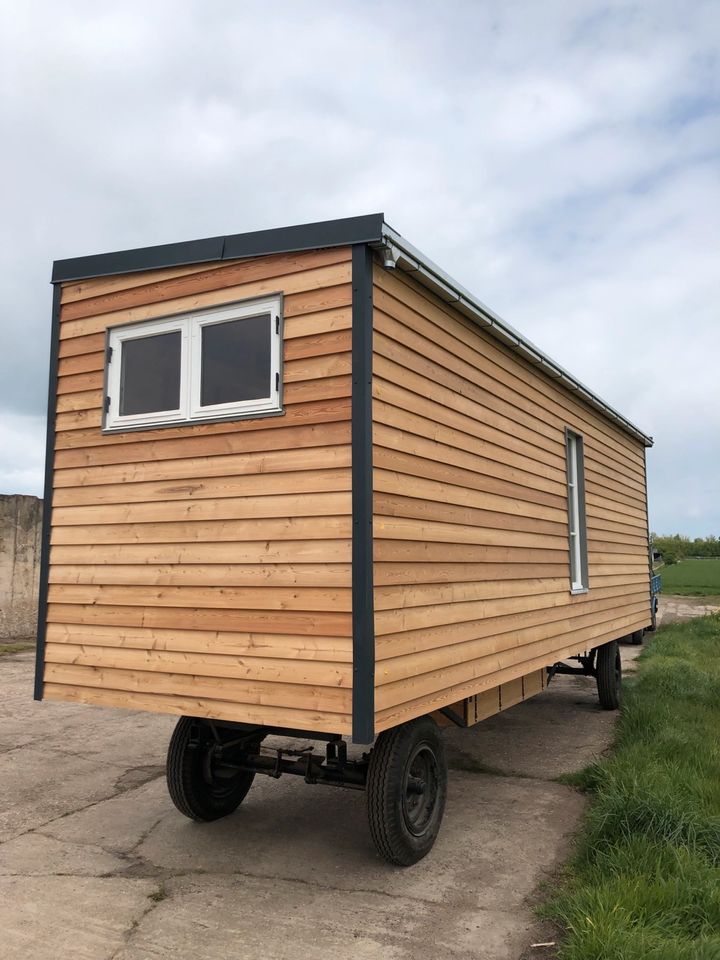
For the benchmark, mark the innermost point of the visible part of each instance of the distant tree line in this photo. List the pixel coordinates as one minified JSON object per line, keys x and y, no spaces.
{"x":677,"y":547}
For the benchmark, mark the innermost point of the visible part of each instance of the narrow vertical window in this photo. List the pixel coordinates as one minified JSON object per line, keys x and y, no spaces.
{"x":576,"y":512}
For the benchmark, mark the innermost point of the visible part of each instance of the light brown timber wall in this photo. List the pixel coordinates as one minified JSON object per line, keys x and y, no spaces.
{"x":471,"y":557}
{"x":205,"y":569}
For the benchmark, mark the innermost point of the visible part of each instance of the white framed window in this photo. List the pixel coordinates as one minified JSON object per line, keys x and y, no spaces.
{"x":222,"y":363}
{"x":577,"y":531}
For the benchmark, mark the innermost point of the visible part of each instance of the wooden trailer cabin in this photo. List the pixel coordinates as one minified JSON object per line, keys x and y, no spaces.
{"x":301,"y":480}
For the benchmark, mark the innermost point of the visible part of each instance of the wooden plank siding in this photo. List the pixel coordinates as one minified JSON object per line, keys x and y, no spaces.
{"x":205,"y":569}
{"x":471,"y":556}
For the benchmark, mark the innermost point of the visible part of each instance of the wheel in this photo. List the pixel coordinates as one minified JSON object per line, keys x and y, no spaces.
{"x":406,"y":790}
{"x":637,"y":637}
{"x":198,"y":787}
{"x":653,"y":621}
{"x":608,"y":671}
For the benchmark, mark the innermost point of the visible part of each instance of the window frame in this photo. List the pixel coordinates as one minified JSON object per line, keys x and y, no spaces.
{"x":577,"y":521}
{"x":190,"y":326}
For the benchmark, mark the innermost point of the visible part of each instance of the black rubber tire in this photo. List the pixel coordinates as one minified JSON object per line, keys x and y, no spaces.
{"x":403,"y":828}
{"x":653,"y":622}
{"x":608,"y":668}
{"x":636,"y":638}
{"x":188,"y":787}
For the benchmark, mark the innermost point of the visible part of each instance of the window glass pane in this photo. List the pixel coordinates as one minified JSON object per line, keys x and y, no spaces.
{"x":236,"y":361}
{"x":150,"y":374}
{"x":578,"y":541}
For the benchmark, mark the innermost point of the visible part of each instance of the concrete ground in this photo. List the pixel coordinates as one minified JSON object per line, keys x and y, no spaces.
{"x":96,"y":863}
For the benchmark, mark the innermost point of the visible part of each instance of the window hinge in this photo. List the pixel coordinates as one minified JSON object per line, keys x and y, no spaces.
{"x":107,"y":404}
{"x":277,"y":324}
{"x":277,"y":381}
{"x":109,"y":354}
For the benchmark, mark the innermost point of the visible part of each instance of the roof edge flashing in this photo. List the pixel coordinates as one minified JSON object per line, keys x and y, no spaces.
{"x":369,"y":229}
{"x":307,"y":236}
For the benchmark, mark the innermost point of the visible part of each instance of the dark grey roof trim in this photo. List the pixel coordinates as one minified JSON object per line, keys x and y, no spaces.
{"x":370,"y":229}
{"x":307,"y":236}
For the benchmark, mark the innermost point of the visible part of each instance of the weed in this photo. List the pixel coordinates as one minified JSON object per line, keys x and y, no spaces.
{"x":8,"y":648}
{"x":158,"y":895}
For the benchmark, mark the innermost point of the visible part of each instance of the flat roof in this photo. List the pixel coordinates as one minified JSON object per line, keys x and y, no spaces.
{"x":372,"y":229}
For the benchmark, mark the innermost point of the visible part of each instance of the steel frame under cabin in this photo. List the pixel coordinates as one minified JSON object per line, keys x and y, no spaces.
{"x":407,"y":756}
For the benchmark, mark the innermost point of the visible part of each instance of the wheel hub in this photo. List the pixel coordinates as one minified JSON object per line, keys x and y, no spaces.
{"x":420,"y":789}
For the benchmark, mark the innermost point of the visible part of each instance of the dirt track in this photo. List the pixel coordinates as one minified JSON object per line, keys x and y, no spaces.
{"x":676,"y":609}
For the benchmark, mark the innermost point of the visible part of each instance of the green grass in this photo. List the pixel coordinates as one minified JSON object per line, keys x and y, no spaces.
{"x":692,"y":578}
{"x":7,"y":648}
{"x":645,"y":881}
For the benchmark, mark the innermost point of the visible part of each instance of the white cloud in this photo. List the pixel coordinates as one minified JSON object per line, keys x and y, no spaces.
{"x":561,"y":160}
{"x":22,"y":454}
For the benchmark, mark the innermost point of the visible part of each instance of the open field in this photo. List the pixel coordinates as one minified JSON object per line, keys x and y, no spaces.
{"x":645,"y":881}
{"x":692,"y":578}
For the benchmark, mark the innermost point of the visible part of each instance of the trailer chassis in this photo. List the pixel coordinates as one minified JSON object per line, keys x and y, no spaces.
{"x":604,"y":664}
{"x":211,"y":764}
{"x":241,"y":753}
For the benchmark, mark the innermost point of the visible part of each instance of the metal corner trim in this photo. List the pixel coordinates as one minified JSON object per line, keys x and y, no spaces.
{"x":47,"y":495}
{"x":363,"y":617}
{"x":647,"y":525}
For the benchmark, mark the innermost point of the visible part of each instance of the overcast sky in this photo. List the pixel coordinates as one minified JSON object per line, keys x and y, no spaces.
{"x":559,"y":159}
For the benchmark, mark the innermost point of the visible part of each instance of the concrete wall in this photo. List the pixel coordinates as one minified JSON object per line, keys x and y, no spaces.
{"x":20,"y":529}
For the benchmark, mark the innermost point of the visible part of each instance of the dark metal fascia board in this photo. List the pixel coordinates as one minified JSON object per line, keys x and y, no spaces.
{"x":409,"y":259}
{"x":47,"y":496}
{"x":363,"y":609}
{"x":308,"y":236}
{"x":134,"y":261}
{"x":259,"y":243}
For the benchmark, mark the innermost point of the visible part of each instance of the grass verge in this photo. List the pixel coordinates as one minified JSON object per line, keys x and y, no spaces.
{"x":645,"y":880}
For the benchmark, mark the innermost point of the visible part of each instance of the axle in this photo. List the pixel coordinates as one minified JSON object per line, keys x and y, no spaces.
{"x":333,"y":769}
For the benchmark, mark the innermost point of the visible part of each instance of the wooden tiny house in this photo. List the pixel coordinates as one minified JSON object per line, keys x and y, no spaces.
{"x":301,"y":479}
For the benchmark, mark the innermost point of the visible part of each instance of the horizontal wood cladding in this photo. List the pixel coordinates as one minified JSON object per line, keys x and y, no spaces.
{"x":265,"y":646}
{"x":207,"y":532}
{"x":430,"y":692}
{"x":315,"y":288}
{"x":203,"y":663}
{"x":455,"y":351}
{"x":199,"y":574}
{"x":195,"y":705}
{"x":227,"y":552}
{"x":471,"y":557}
{"x":206,"y":568}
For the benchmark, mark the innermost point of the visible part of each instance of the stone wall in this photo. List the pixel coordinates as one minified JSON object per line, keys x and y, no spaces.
{"x":20,"y":534}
